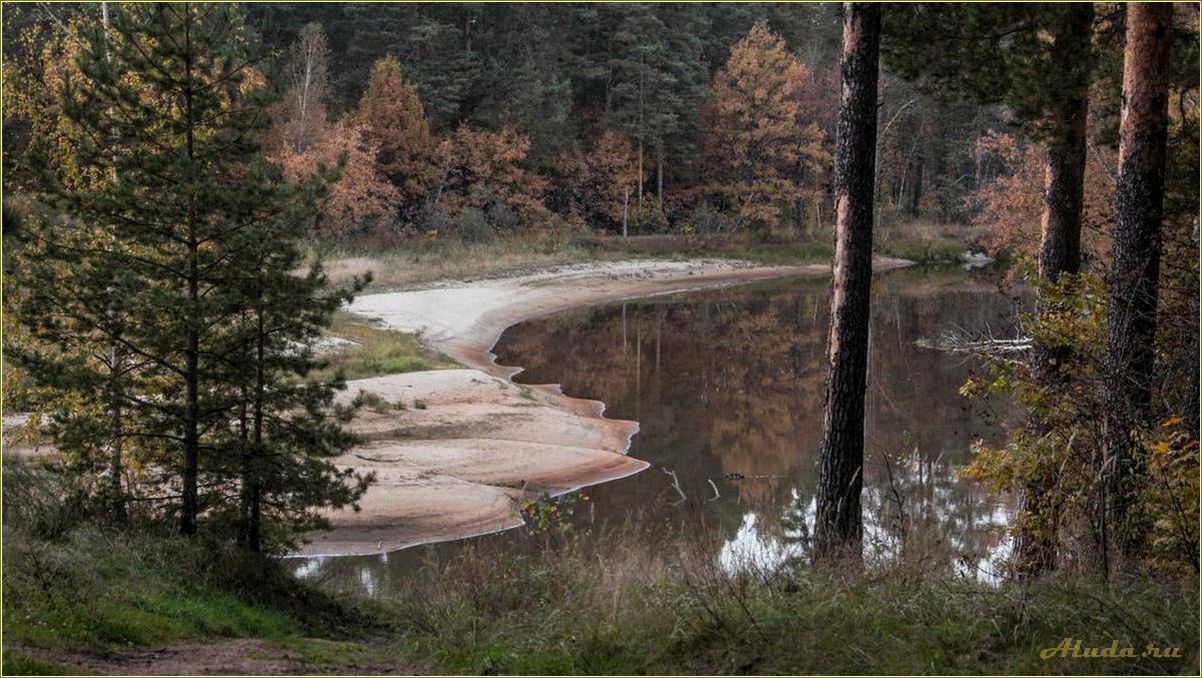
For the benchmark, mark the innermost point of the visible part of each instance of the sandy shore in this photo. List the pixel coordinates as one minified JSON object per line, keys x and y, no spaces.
{"x":461,"y":448}
{"x":455,"y":451}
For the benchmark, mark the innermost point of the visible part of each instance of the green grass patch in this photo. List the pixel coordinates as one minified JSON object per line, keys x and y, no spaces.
{"x":108,"y":590}
{"x":18,"y":664}
{"x":376,"y":351}
{"x":938,"y":250}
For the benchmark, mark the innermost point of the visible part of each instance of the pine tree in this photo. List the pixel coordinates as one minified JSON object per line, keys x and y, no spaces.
{"x":1134,"y":278}
{"x":657,"y":75}
{"x":838,"y":523}
{"x":170,"y":105}
{"x":286,"y":426}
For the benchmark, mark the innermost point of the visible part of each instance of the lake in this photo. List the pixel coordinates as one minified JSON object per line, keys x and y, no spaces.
{"x":727,"y":386}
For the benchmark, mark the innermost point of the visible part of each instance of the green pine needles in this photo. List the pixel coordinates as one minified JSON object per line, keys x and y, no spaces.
{"x":172,"y":310}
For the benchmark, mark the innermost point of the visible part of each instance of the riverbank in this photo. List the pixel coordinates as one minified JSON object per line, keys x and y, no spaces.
{"x":455,"y":451}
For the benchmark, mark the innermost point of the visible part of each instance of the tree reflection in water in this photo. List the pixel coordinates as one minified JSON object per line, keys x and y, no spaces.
{"x":727,"y":388}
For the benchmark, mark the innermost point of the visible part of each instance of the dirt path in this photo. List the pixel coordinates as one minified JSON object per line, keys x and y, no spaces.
{"x":233,"y":657}
{"x":455,"y":450}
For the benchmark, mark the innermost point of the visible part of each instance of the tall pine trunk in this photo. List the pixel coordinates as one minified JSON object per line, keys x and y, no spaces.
{"x":254,"y":518}
{"x":190,"y":500}
{"x":1059,"y":253}
{"x":117,"y":509}
{"x":1131,"y":305}
{"x":838,"y":523}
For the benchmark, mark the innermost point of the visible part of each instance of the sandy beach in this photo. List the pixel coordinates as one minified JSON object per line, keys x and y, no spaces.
{"x":461,"y":447}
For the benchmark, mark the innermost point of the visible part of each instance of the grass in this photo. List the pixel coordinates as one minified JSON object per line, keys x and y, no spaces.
{"x":376,"y":351}
{"x":936,"y":251}
{"x":420,"y":261}
{"x":622,"y":606}
{"x":584,"y":603}
{"x":924,"y":242}
{"x":101,"y":590}
{"x":18,"y":664}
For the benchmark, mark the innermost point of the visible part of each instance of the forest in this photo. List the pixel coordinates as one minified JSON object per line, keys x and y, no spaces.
{"x":600,"y":338}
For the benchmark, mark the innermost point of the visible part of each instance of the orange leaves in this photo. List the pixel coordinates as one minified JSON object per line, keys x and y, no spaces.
{"x":1008,"y":200}
{"x":479,"y":168}
{"x":597,"y":183}
{"x":394,"y":119}
{"x":361,"y":195}
{"x":761,"y":139}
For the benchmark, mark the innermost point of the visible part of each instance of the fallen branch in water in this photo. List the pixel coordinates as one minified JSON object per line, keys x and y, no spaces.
{"x":676,"y":486}
{"x":716,"y":496}
{"x":954,"y":341}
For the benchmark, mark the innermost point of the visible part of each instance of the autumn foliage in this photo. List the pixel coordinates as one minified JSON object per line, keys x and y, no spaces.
{"x":395,"y":122}
{"x":597,"y":184}
{"x":1008,"y":201}
{"x":361,"y":200}
{"x":760,"y":149}
{"x":483,"y":169}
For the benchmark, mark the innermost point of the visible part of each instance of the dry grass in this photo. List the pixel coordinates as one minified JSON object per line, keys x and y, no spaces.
{"x":420,"y":261}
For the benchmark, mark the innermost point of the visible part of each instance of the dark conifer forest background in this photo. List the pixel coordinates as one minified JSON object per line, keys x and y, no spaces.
{"x":194,"y":192}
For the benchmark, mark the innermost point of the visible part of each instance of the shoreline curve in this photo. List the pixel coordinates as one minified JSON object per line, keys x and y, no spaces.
{"x":459,"y":466}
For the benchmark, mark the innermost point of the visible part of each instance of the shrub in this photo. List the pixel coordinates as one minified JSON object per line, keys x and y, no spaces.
{"x":472,"y":226}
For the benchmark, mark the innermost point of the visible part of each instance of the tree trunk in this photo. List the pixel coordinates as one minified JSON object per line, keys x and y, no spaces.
{"x":190,"y":500}
{"x":117,"y":509}
{"x":1131,"y":305}
{"x":638,"y":218}
{"x":659,"y":177}
{"x":1059,"y":253}
{"x":254,"y":519}
{"x":625,"y":212}
{"x":838,"y":522}
{"x":916,"y":189}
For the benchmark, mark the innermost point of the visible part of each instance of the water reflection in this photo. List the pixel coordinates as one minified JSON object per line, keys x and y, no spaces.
{"x":727,"y":386}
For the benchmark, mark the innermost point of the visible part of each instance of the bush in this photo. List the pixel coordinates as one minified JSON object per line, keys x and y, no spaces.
{"x":705,"y":220}
{"x":472,"y":226}
{"x":43,"y":501}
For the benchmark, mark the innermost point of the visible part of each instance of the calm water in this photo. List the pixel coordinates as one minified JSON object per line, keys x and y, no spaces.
{"x":727,"y":386}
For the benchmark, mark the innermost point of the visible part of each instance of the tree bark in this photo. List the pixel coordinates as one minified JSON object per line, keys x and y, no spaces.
{"x":190,"y":500}
{"x":1132,"y":299}
{"x":117,"y":509}
{"x":916,"y":189}
{"x":838,"y":523}
{"x":659,"y":177}
{"x":1059,"y":253}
